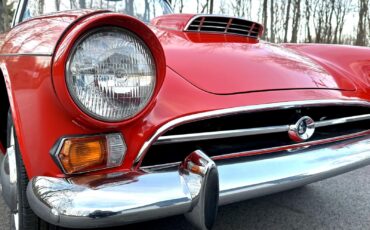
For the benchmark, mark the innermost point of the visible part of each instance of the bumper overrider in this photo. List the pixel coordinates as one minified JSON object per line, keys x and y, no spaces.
{"x":195,"y":188}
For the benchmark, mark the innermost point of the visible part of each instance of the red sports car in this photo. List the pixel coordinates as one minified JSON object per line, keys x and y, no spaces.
{"x":128,"y":113}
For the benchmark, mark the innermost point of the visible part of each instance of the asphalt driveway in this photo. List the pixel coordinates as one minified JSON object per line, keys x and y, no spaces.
{"x":342,"y":202}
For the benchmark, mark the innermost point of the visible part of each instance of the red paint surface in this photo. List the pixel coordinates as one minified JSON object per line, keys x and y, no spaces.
{"x":40,"y":35}
{"x":172,"y":21}
{"x":43,"y":112}
{"x":238,"y":67}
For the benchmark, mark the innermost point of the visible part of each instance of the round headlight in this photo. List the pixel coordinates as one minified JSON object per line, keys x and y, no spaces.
{"x":111,"y":74}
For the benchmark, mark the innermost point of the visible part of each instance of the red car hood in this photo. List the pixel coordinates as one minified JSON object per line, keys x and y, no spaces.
{"x":236,"y":67}
{"x":225,"y":64}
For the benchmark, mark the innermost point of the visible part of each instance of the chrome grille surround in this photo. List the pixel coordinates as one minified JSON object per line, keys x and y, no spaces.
{"x":224,"y":25}
{"x":160,"y":138}
{"x":169,"y":139}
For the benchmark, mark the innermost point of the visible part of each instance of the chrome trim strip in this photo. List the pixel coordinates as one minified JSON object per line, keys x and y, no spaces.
{"x":170,"y":139}
{"x":342,"y":120}
{"x":245,"y":109}
{"x":123,"y":198}
{"x":26,"y":54}
{"x":291,"y":148}
{"x":203,"y":26}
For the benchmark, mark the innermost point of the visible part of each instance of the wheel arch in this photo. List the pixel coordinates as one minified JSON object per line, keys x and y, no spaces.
{"x":6,"y":97}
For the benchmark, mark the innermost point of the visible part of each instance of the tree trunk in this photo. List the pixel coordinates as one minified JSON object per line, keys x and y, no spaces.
{"x":361,"y":28}
{"x":264,"y":18}
{"x":296,"y":20}
{"x":328,"y":22}
{"x":82,"y":4}
{"x":319,"y":19}
{"x":330,"y":26}
{"x":41,"y":7}
{"x":211,"y":6}
{"x":2,"y":15}
{"x":272,"y":17}
{"x":308,"y":18}
{"x":57,"y":4}
{"x":341,"y":26}
{"x":204,"y":7}
{"x":286,"y":24}
{"x":181,"y":6}
{"x":368,"y":24}
{"x":338,"y":11}
{"x":147,"y":11}
{"x":129,"y":7}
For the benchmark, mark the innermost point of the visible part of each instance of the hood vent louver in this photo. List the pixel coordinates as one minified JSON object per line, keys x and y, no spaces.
{"x":224,"y":25}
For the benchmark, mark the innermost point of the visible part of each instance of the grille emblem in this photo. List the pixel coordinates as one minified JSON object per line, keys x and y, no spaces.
{"x":302,"y":130}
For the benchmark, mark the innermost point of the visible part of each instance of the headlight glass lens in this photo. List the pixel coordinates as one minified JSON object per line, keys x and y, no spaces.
{"x":111,"y":74}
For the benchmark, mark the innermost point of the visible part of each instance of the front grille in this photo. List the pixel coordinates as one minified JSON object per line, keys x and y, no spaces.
{"x":249,"y":133}
{"x":225,"y":25}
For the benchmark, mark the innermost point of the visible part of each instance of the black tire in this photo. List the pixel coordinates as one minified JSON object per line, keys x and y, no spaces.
{"x":27,"y":219}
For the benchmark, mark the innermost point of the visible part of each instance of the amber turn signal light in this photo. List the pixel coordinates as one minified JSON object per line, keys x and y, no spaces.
{"x":91,"y":153}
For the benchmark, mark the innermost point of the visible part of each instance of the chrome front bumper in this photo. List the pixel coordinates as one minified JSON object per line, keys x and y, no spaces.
{"x":123,"y":198}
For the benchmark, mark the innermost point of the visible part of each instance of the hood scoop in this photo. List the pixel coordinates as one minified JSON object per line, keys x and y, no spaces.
{"x":224,"y":25}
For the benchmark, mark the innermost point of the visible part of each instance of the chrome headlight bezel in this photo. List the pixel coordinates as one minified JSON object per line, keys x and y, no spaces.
{"x":69,"y":83}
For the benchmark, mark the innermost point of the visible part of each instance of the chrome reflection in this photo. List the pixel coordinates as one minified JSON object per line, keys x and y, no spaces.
{"x":122,"y":198}
{"x":179,"y":138}
{"x":302,"y":130}
{"x":201,"y":176}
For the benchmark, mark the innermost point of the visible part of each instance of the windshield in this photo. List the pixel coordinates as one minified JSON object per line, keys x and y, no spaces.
{"x":144,"y":10}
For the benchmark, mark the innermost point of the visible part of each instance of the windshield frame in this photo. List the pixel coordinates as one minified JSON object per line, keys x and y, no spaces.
{"x":22,"y":4}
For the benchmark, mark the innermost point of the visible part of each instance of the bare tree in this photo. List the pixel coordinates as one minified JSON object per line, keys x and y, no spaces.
{"x":308,"y":9}
{"x":2,"y":15}
{"x":223,"y":8}
{"x":368,"y":24}
{"x":264,"y":17}
{"x":286,"y":25}
{"x":181,"y":6}
{"x":238,"y":8}
{"x":329,"y":11}
{"x":57,"y":4}
{"x":272,"y":21}
{"x":211,"y":2}
{"x":279,"y":25}
{"x":284,"y":20}
{"x":318,"y":14}
{"x":341,"y":9}
{"x":147,"y":11}
{"x":82,"y":4}
{"x":129,"y":7}
{"x":296,"y":20}
{"x":361,"y":28}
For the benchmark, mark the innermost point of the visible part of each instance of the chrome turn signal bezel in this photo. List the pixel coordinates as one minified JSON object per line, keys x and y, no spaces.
{"x":58,"y":146}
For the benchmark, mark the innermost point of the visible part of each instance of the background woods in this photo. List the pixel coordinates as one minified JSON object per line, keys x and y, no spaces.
{"x":6,"y":14}
{"x":326,"y":21}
